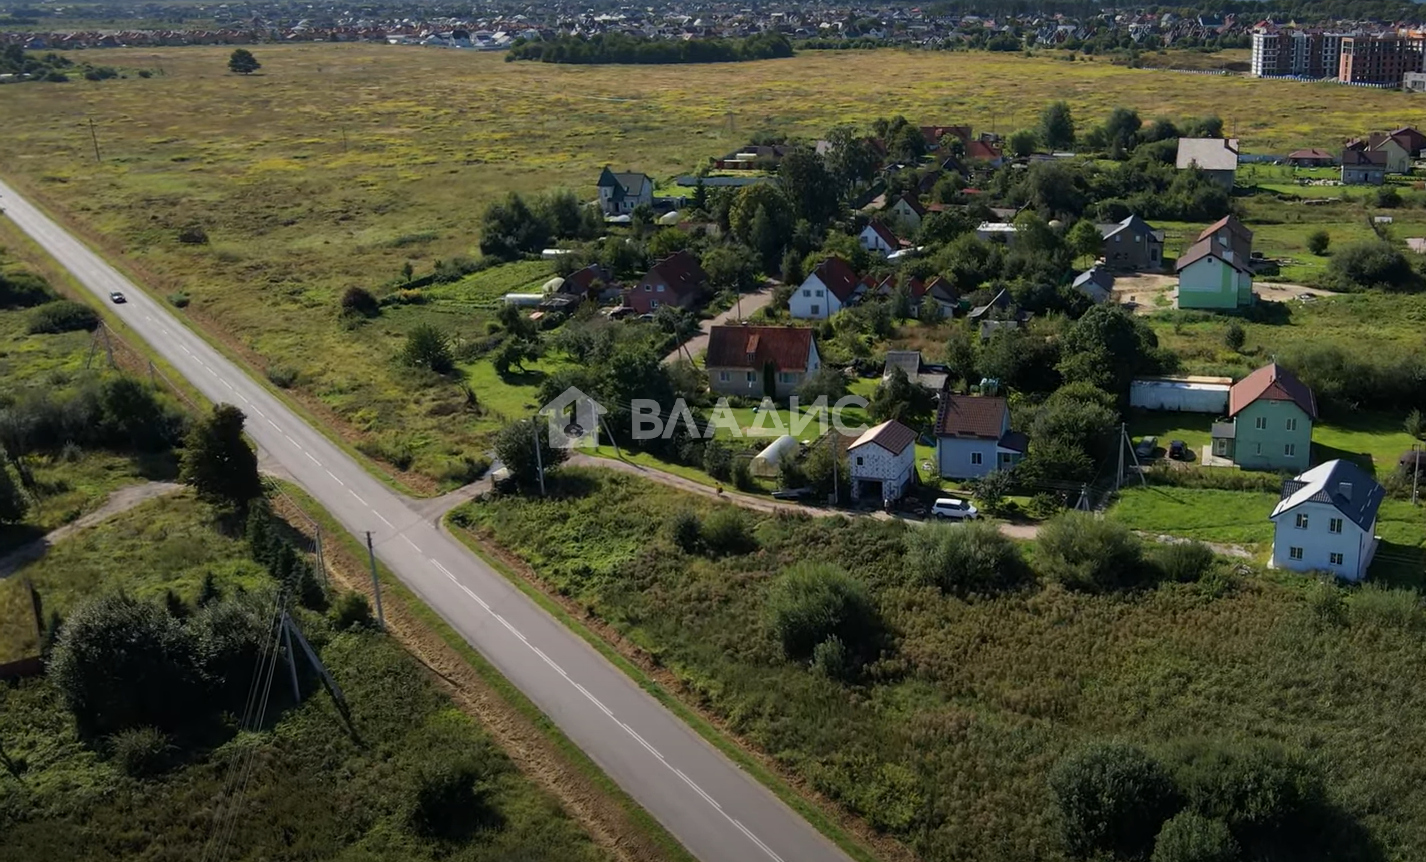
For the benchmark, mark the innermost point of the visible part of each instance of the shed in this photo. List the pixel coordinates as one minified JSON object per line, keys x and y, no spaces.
{"x":1184,"y":394}
{"x":767,"y":462}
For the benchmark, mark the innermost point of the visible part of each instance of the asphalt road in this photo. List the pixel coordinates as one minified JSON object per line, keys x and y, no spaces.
{"x":710,"y":805}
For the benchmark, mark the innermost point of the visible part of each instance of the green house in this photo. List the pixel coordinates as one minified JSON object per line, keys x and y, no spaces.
{"x":1216,"y":271}
{"x":1269,"y":425}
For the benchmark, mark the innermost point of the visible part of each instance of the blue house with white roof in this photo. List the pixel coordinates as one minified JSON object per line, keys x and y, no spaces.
{"x":1326,"y":521}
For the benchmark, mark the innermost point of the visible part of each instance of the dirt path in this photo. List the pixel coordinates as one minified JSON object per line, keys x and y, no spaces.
{"x":121,"y":500}
{"x":748,"y":304}
{"x":1144,"y":291}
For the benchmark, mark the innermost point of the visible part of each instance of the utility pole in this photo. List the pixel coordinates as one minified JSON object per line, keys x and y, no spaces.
{"x":1125,"y":441}
{"x":1415,"y":471}
{"x":836,"y":483}
{"x":321,"y":558}
{"x":1119,"y":474}
{"x":94,"y":136}
{"x":291,"y":657}
{"x":539,"y":460}
{"x":375,"y":583}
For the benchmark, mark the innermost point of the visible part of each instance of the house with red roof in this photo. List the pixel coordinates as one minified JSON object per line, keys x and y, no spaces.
{"x":677,"y":280}
{"x":831,"y":287}
{"x":747,"y":360}
{"x":985,"y":151}
{"x":1216,"y":272}
{"x":878,"y":237}
{"x":1269,"y":424}
{"x":973,"y":436}
{"x":907,"y":212}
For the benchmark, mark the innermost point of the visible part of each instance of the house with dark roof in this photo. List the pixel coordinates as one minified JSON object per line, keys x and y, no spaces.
{"x":1325,"y":521}
{"x":907,"y":212}
{"x":756,"y":360}
{"x":1311,"y":157}
{"x":1269,"y":424}
{"x":1216,"y":271}
{"x":828,"y":289}
{"x":677,"y":280}
{"x":1132,"y":244}
{"x":619,"y":194}
{"x":882,"y":462}
{"x":1363,"y":168}
{"x":985,"y":151}
{"x":1095,"y":283}
{"x":878,"y":237}
{"x":973,"y":436}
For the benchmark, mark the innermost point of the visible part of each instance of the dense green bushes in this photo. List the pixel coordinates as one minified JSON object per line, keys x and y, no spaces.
{"x":811,"y":605}
{"x":62,"y":316}
{"x":966,"y":559}
{"x":622,"y":48}
{"x":1113,"y":798}
{"x":23,"y":290}
{"x":1086,"y":552}
{"x":114,"y":413}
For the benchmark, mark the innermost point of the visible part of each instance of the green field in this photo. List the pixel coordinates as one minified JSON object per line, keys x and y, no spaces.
{"x":340,"y":787}
{"x":945,"y":741}
{"x":313,"y":176}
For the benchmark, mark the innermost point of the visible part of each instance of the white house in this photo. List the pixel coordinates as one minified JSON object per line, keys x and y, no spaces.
{"x":1326,"y":521}
{"x":619,"y":194}
{"x":883,"y":459}
{"x":832,"y":286}
{"x":879,"y":238}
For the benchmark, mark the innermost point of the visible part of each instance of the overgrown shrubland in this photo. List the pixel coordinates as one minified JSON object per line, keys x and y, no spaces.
{"x":915,"y":676}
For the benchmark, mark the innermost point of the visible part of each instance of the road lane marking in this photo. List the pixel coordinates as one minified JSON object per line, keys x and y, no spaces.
{"x":310,"y":455}
{"x":226,"y":383}
{"x":272,"y":423}
{"x":335,"y":479}
{"x":383,"y":519}
{"x":290,"y":440}
{"x":185,"y":349}
{"x":354,"y":494}
{"x":258,"y":410}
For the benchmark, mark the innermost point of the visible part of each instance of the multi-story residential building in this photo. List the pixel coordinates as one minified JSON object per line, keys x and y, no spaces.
{"x":1297,"y":52}
{"x":1379,"y":59}
{"x":1267,"y":54}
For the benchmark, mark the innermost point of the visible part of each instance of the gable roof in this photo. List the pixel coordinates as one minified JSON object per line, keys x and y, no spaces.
{"x":786,"y":347}
{"x":1236,"y":228}
{"x":1352,"y":158}
{"x":837,"y":276}
{"x":1134,"y":224}
{"x":883,"y":232}
{"x":681,"y":271}
{"x":1208,"y":247}
{"x":982,"y":150}
{"x":978,"y":417}
{"x":908,"y":361}
{"x":1096,"y":276}
{"x":583,"y":279}
{"x":1309,"y":153}
{"x":1339,"y":483}
{"x":913,"y":203}
{"x":1209,"y":154}
{"x":1000,"y":300}
{"x":1274,"y":383}
{"x":623,"y":184}
{"x":889,"y":435}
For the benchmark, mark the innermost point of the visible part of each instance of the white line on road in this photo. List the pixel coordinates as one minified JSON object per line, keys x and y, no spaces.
{"x":272,"y":423}
{"x":227,"y":384}
{"x":386,"y":522}
{"x":335,"y":479}
{"x":290,"y":440}
{"x":354,"y":494}
{"x":185,"y":349}
{"x":312,"y":457}
{"x":258,"y":410}
{"x":407,"y":539}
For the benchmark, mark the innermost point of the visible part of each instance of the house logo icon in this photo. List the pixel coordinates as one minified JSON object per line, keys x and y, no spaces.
{"x":573,"y":420}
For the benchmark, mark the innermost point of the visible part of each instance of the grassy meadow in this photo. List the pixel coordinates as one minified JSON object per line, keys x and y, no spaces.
{"x":338,"y":164}
{"x":323,"y":785}
{"x":945,"y":741}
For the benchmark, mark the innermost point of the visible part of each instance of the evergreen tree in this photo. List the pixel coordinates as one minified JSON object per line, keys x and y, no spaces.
{"x":242,"y":62}
{"x":13,"y":505}
{"x":1057,"y":126}
{"x":218,"y":462}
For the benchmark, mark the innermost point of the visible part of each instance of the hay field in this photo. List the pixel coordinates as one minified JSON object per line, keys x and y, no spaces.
{"x":337,"y":164}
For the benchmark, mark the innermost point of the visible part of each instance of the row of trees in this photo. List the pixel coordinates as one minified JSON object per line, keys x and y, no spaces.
{"x":604,"y":48}
{"x":513,"y":226}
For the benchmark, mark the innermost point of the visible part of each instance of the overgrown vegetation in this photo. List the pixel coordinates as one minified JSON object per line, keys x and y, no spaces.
{"x":622,"y":48}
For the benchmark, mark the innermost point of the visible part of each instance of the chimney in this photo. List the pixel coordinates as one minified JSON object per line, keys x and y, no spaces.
{"x":1345,"y":490}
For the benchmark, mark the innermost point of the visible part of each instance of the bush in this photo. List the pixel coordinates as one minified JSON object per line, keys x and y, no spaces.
{"x":1388,"y":198}
{"x":725,"y":531}
{"x":1113,"y":798}
{"x":1383,"y":607}
{"x":23,"y":290}
{"x":451,"y":803}
{"x":283,"y":376}
{"x":351,"y":611}
{"x":1191,"y":837}
{"x":743,"y":475}
{"x":1264,"y":794}
{"x":178,"y":300}
{"x":965,"y":558}
{"x":1415,"y":424}
{"x":141,"y":752}
{"x":63,"y":316}
{"x":812,"y":602}
{"x":1235,"y":337}
{"x":428,"y":347}
{"x":1086,"y":552}
{"x":1369,"y":264}
{"x":830,"y":659}
{"x":1318,"y":242}
{"x":686,"y":531}
{"x":359,"y":301}
{"x":1184,"y":562}
{"x":121,"y":663}
{"x":193,"y":234}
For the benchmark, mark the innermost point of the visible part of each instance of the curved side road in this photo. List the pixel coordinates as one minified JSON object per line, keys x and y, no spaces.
{"x":710,"y":805}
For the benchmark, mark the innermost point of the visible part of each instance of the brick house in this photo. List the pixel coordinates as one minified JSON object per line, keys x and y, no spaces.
{"x":677,"y":280}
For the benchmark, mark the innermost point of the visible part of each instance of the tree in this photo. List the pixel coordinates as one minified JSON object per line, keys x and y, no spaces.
{"x":359,"y":301}
{"x":897,"y":397}
{"x":1113,"y":798}
{"x":1085,"y":240}
{"x":966,"y":559}
{"x":992,"y":489}
{"x":13,"y":504}
{"x":515,"y":447}
{"x":667,"y":241}
{"x":730,"y":268}
{"x":792,"y":272}
{"x":850,"y":157}
{"x":1108,"y":347}
{"x":1373,"y":263}
{"x":428,"y":347}
{"x":1235,"y":337}
{"x":812,"y":602}
{"x":1023,"y":143}
{"x":763,"y":236}
{"x":1318,"y":242}
{"x":218,"y":462}
{"x":242,"y":62}
{"x":508,"y":228}
{"x":1057,"y":126}
{"x":901,"y":302}
{"x":1089,"y":553}
{"x":826,"y":382}
{"x":1191,"y":837}
{"x":809,"y":186}
{"x":1121,"y":130}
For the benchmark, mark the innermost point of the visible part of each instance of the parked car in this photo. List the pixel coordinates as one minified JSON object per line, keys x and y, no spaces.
{"x":954,"y":509}
{"x":1144,"y":449}
{"x":116,"y":297}
{"x":1178,"y":450}
{"x":792,"y":494}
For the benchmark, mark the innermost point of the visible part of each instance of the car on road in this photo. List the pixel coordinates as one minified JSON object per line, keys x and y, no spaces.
{"x":954,"y":509}
{"x":792,"y":493}
{"x":1178,"y":450}
{"x":116,"y":297}
{"x":1144,"y":449}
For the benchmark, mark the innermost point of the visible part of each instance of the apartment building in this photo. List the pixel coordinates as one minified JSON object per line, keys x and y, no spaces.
{"x":1379,"y":59}
{"x":1299,"y":52}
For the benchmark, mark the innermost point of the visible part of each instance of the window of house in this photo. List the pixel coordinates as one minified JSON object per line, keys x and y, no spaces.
{"x":1334,"y":525}
{"x":1260,"y":449}
{"x":660,"y":288}
{"x":819,"y":294}
{"x":1289,"y":449}
{"x":807,"y":292}
{"x":816,"y":309}
{"x":1335,"y":559}
{"x":1138,"y":238}
{"x":1292,"y":424}
{"x":752,"y":377}
{"x":1301,"y":521}
{"x":648,"y":288}
{"x":1294,"y":553}
{"x":653,"y":303}
{"x":975,"y":458}
{"x":1261,"y":423}
{"x":859,"y":460}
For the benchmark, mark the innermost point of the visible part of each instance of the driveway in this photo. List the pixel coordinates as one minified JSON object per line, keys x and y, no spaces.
{"x":120,"y":501}
{"x":747,"y":304}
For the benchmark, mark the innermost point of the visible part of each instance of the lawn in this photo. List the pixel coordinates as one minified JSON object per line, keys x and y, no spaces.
{"x":313,"y":177}
{"x":945,"y":742}
{"x":321,"y":784}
